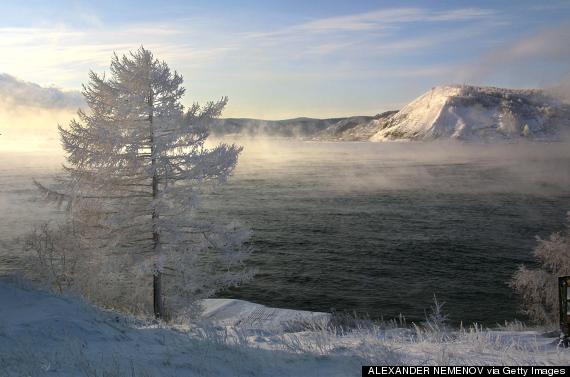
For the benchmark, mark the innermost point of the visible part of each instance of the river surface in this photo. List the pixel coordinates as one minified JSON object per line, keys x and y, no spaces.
{"x":372,"y":228}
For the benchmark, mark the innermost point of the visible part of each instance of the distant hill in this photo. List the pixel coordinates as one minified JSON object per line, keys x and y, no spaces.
{"x":357,"y":128}
{"x":349,"y":128}
{"x":479,"y":114}
{"x":298,"y":127}
{"x":459,"y":112}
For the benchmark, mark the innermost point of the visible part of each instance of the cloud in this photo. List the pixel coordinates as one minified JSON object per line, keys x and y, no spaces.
{"x":553,"y":5}
{"x":550,"y":43}
{"x":362,"y":21}
{"x":66,"y":54}
{"x":16,"y":92}
{"x":561,"y":90}
{"x":379,"y":32}
{"x":221,"y":56}
{"x":529,"y":53}
{"x":380,"y":19}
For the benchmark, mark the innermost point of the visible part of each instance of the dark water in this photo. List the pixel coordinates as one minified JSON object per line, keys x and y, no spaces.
{"x":372,"y":228}
{"x":20,"y":205}
{"x":376,"y":230}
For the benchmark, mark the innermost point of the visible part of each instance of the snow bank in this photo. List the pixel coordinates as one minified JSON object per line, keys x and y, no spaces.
{"x":231,"y":312}
{"x":42,"y":334}
{"x":47,"y":335}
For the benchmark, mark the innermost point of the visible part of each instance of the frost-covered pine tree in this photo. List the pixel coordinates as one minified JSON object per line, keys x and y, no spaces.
{"x":526,"y":130}
{"x":136,"y":163}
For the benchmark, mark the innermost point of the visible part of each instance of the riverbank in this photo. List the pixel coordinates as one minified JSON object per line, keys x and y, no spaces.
{"x":42,"y":334}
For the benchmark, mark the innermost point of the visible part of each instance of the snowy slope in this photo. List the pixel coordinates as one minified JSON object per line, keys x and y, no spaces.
{"x":358,"y":128}
{"x":42,"y":334}
{"x":47,"y":335}
{"x":478,"y":114}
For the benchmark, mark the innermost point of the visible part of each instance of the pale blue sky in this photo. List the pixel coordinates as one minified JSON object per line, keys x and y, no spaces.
{"x":277,"y":60}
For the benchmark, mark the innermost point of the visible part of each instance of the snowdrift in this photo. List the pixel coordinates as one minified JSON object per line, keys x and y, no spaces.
{"x":232,"y":312}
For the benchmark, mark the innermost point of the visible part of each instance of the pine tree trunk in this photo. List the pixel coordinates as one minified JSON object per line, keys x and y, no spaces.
{"x":157,"y":278}
{"x":157,"y":299}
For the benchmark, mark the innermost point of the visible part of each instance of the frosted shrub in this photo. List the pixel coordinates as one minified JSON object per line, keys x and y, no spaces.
{"x":436,"y":319}
{"x":56,"y":252}
{"x":436,"y":327}
{"x":538,"y":287}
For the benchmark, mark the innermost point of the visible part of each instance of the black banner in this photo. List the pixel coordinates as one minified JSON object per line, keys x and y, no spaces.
{"x":372,"y":370}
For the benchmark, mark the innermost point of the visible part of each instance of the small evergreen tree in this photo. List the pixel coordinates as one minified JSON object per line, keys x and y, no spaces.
{"x":538,"y":287}
{"x":526,"y":131}
{"x":137,"y":162}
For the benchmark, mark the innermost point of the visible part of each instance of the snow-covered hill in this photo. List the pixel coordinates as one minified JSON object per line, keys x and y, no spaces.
{"x":357,"y":128}
{"x":478,"y":114}
{"x":42,"y":334}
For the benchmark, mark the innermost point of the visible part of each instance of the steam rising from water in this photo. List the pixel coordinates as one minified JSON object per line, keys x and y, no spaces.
{"x":345,"y":225}
{"x":541,"y":59}
{"x":541,"y":169}
{"x":380,"y":227}
{"x":537,"y":168}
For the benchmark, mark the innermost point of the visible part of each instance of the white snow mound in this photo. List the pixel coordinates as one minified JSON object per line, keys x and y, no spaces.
{"x":232,"y":312}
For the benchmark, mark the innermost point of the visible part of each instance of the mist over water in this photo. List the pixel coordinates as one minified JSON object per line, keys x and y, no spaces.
{"x":20,"y":204}
{"x":376,"y":228}
{"x":380,"y":228}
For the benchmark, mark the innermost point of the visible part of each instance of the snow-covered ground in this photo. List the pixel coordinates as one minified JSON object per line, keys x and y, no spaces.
{"x":47,"y":335}
{"x":42,"y":334}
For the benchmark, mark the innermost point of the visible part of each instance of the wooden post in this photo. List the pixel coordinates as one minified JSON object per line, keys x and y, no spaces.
{"x":564,"y":309}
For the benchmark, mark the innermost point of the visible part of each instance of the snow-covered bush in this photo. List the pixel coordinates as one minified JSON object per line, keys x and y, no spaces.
{"x":538,"y":287}
{"x":526,"y":131}
{"x":436,"y":324}
{"x":57,"y":255}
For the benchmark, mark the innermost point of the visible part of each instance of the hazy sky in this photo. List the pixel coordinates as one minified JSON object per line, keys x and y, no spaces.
{"x":285,"y":59}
